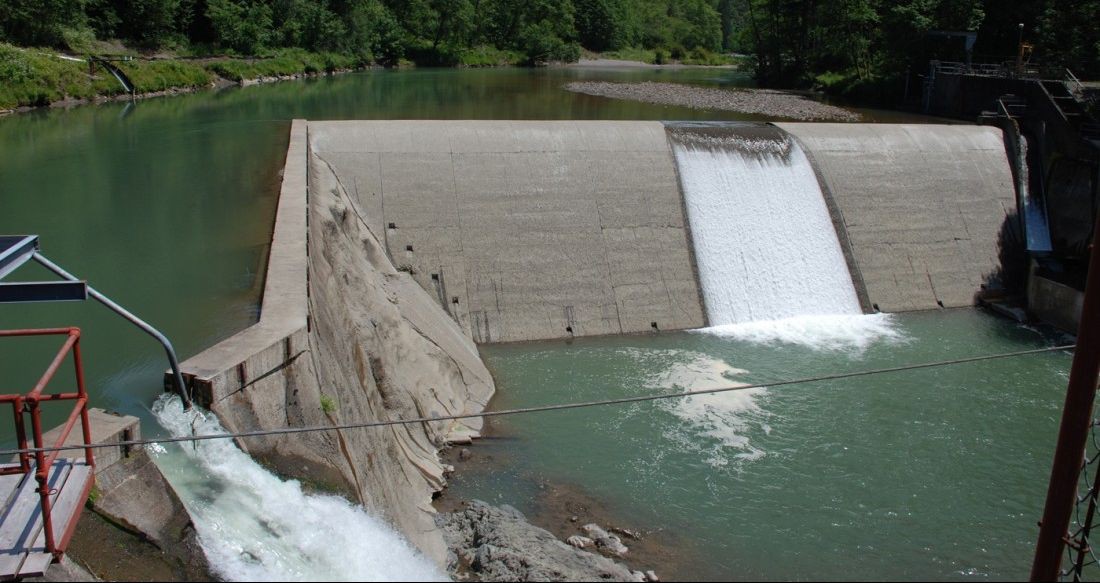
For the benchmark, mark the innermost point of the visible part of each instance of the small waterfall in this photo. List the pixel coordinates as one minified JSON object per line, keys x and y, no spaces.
{"x":764,"y":241}
{"x":254,"y":526}
{"x":770,"y":265}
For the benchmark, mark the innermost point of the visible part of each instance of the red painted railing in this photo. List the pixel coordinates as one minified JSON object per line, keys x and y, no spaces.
{"x":30,"y":404}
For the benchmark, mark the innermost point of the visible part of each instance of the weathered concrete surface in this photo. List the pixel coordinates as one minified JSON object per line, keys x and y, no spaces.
{"x":1055,"y":303}
{"x":107,"y":427}
{"x":922,"y":205}
{"x":345,"y":337}
{"x":498,"y":544}
{"x":527,"y":230}
{"x":66,"y":570}
{"x":132,"y":495}
{"x":241,"y":358}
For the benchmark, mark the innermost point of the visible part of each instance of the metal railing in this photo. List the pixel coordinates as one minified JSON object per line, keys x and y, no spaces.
{"x":1004,"y":69}
{"x":31,"y":404}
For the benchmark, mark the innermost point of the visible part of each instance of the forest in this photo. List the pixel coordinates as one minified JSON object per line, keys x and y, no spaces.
{"x":854,"y":47}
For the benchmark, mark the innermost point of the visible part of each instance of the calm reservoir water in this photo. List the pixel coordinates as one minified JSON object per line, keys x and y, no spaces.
{"x":166,"y":205}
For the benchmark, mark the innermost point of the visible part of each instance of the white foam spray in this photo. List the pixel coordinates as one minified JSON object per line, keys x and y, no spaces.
{"x":254,"y":526}
{"x":770,"y":264}
{"x":764,"y":242}
{"x":725,"y":418}
{"x":839,"y":333}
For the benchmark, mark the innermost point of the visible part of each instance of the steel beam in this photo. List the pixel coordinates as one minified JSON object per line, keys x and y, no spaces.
{"x":43,"y":291}
{"x":15,"y":251}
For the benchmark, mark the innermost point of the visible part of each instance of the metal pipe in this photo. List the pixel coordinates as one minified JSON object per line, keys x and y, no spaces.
{"x":181,"y":387}
{"x":1074,"y":431}
{"x":21,"y":432}
{"x":82,"y":392}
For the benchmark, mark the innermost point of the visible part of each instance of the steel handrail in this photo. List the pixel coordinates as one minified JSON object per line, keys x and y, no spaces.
{"x":173,"y":361}
{"x":30,"y":403}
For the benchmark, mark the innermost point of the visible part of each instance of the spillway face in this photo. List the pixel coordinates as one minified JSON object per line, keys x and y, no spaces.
{"x":765,"y":244}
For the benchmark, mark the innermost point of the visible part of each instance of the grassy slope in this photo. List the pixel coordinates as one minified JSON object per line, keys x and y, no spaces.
{"x":34,"y":77}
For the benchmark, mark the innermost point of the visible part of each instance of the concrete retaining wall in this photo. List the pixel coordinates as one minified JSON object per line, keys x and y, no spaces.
{"x":281,"y":331}
{"x":344,"y":337}
{"x":922,"y":205}
{"x":527,"y":230}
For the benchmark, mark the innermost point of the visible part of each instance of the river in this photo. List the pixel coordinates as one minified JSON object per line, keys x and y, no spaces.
{"x":166,"y":205}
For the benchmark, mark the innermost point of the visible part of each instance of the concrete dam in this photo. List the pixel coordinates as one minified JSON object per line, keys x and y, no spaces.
{"x":399,"y":246}
{"x":539,"y":230}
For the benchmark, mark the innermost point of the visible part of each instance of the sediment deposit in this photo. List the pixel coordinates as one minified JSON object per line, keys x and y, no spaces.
{"x":763,"y":102}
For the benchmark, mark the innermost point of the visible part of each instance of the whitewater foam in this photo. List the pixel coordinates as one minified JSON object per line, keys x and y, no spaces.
{"x":764,"y":241}
{"x":725,"y":418}
{"x":822,"y":333}
{"x":254,"y":526}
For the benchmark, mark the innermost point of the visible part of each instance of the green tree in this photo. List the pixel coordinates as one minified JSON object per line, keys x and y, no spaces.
{"x":149,"y":24}
{"x":242,"y":25}
{"x":1069,"y":36}
{"x":39,"y":22}
{"x":311,"y":25}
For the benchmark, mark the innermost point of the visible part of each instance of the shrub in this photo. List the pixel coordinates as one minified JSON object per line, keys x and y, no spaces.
{"x":328,"y":404}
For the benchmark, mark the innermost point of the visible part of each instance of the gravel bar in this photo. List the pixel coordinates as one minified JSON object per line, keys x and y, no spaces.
{"x":752,"y":101}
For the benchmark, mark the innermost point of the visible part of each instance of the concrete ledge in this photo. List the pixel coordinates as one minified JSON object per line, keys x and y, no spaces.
{"x":1055,"y":303}
{"x":267,"y":345}
{"x":107,"y":427}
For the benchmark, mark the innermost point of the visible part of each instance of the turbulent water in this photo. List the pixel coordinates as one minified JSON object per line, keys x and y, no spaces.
{"x":254,"y":526}
{"x":723,"y":420}
{"x":763,"y":238}
{"x":869,"y":478}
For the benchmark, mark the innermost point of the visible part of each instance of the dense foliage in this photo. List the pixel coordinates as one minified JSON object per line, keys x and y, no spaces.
{"x":869,"y":45}
{"x":850,"y":46}
{"x":425,"y":31}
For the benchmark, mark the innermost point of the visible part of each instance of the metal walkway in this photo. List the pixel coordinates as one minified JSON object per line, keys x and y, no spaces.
{"x":43,"y":494}
{"x":23,"y":548}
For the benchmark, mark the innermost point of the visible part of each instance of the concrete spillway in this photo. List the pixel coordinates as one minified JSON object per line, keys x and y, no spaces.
{"x":528,"y":230}
{"x":922,"y":206}
{"x":764,"y":242}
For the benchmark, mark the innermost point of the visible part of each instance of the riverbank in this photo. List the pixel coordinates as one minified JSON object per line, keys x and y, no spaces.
{"x":563,"y":511}
{"x":766,"y":102}
{"x":32,"y":78}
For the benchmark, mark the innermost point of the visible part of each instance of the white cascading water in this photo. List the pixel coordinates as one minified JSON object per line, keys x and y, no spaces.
{"x":770,"y":265}
{"x":254,"y":526}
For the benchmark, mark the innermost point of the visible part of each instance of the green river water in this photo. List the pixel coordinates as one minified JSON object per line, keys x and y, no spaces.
{"x":166,"y":205}
{"x":931,"y":474}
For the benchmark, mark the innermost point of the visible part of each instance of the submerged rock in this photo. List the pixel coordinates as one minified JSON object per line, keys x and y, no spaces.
{"x":606,"y":542}
{"x":579,"y":541}
{"x":498,"y":544}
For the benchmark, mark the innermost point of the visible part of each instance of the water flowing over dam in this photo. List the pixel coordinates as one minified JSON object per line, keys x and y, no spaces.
{"x":255,"y":526}
{"x":764,"y":243}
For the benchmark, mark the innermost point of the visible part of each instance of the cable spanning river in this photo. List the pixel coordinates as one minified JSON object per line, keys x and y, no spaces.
{"x":167,"y":206}
{"x":925,"y":475}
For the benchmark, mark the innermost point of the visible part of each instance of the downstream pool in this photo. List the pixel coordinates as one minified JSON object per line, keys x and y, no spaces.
{"x":931,"y":474}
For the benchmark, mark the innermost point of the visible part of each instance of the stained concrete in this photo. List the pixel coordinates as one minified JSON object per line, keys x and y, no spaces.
{"x":345,"y":337}
{"x":527,"y":230}
{"x":922,"y":206}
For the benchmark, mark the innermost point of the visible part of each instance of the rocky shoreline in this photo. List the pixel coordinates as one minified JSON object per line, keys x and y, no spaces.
{"x":491,"y":543}
{"x":765,"y":102}
{"x":218,"y":83}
